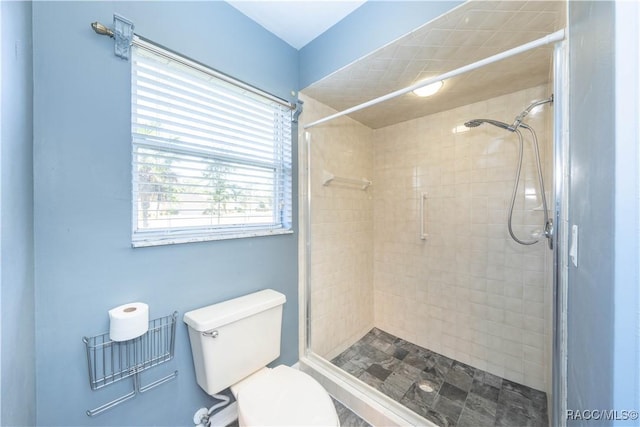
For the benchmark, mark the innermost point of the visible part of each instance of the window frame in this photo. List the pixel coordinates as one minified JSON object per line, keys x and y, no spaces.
{"x":282,"y":164}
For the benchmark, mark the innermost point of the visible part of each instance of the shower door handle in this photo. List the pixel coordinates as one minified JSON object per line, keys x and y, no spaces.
{"x":423,"y":231}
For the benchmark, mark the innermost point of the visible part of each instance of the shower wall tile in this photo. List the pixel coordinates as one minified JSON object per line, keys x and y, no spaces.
{"x":468,"y":291}
{"x":341,"y":307}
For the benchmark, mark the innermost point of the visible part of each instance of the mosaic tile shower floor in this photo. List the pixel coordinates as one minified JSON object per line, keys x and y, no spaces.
{"x":442,"y":390}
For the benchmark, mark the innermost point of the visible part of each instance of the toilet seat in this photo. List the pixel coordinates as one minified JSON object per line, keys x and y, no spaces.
{"x":283,"y":396}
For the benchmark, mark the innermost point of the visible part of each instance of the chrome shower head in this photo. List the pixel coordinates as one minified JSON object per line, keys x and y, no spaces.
{"x":473,"y":123}
{"x":477,"y":122}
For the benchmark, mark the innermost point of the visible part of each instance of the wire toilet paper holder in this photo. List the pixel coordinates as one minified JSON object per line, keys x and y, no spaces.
{"x":111,"y":361}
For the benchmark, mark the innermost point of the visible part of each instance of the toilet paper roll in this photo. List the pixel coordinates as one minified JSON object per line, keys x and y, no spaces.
{"x":128,"y":321}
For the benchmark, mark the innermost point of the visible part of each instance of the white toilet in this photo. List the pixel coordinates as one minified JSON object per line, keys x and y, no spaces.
{"x":233,"y":341}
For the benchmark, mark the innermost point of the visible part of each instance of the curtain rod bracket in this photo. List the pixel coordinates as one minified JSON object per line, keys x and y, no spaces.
{"x":122,"y":33}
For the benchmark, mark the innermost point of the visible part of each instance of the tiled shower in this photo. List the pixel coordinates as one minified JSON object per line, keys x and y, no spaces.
{"x":342,"y":240}
{"x":467,"y":291}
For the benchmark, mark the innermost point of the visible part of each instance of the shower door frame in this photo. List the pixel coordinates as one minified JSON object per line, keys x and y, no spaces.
{"x":364,"y":398}
{"x":367,"y":402}
{"x":560,"y":232}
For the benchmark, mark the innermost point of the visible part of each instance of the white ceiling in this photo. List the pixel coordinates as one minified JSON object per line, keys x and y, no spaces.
{"x":297,"y":22}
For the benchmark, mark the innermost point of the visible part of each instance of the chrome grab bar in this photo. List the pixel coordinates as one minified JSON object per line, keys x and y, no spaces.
{"x":423,"y":231}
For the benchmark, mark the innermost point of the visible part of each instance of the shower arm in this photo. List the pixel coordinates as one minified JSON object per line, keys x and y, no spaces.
{"x":518,"y":121}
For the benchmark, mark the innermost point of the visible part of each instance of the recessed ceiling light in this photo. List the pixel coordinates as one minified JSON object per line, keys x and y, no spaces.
{"x":429,"y":90}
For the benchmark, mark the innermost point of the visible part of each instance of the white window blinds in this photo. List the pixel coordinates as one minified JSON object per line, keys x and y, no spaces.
{"x":211,"y":159}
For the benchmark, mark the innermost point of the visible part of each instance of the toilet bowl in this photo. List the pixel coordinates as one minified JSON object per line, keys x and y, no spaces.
{"x":283,"y":396}
{"x":232,"y":342}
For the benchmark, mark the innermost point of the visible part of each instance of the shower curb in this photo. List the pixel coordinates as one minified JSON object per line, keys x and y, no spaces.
{"x":369,"y":404}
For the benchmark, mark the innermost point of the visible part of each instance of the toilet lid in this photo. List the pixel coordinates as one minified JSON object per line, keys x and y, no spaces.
{"x":286,"y":397}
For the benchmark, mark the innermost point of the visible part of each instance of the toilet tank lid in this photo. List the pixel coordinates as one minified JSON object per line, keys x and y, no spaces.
{"x":223,"y":313}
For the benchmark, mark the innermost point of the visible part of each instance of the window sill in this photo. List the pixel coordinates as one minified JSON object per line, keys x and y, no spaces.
{"x":176,"y":240}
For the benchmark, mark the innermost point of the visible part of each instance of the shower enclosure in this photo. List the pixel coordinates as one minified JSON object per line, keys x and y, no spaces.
{"x":408,"y":255}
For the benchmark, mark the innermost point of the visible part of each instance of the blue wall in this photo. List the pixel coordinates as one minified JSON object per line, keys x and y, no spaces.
{"x":371,"y":26}
{"x":591,"y":314}
{"x":16,"y":213}
{"x":84,"y":264}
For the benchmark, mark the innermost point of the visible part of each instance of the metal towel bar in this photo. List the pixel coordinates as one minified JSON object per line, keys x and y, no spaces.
{"x":328,"y":178}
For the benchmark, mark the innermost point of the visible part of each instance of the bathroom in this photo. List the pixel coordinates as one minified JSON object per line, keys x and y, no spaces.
{"x":66,"y":197}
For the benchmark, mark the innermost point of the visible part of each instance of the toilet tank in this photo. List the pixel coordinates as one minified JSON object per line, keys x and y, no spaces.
{"x":233,"y":339}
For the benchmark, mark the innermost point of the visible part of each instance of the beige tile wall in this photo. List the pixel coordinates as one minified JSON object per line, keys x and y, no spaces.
{"x":341,"y":228}
{"x":468,"y":291}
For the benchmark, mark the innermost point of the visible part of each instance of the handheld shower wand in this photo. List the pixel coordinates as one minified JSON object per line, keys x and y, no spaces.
{"x":548,"y":224}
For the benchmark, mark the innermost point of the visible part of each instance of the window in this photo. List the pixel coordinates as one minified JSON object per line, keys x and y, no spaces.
{"x":211,"y":156}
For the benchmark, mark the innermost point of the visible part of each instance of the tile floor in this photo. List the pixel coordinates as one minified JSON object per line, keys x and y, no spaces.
{"x":445,"y":391}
